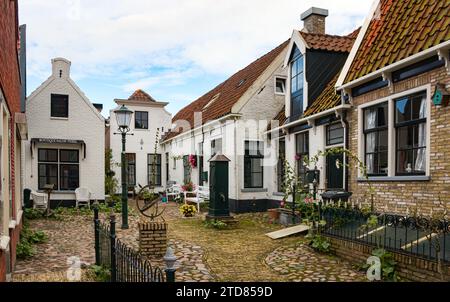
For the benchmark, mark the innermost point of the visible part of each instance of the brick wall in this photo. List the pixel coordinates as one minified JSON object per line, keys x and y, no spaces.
{"x":408,"y":267}
{"x":15,"y":237}
{"x":2,"y":266}
{"x":400,"y":194}
{"x":153,"y":239}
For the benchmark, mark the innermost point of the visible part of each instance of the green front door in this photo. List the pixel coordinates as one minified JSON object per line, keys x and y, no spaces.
{"x":335,"y":174}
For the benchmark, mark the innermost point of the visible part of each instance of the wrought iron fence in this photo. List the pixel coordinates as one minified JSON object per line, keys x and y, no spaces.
{"x":124,"y":263}
{"x":422,"y":237}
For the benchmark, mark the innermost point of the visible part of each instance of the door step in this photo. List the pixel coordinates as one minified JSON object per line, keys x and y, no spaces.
{"x":288,"y":231}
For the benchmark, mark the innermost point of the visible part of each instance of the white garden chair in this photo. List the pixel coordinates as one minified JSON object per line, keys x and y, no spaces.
{"x":201,"y":194}
{"x":40,"y":200}
{"x":82,"y":196}
{"x":173,"y":191}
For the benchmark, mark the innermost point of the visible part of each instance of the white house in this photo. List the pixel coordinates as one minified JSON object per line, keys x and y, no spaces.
{"x":65,"y":145}
{"x":232,"y":119}
{"x":313,"y":118}
{"x":149,"y":121}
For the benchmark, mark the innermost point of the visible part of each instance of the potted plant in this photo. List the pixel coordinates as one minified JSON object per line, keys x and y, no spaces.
{"x":188,"y":187}
{"x":188,"y":210}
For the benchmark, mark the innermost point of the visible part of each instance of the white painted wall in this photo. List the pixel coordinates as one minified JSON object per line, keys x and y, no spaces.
{"x":158,"y":117}
{"x":84,"y":123}
{"x":256,"y":108}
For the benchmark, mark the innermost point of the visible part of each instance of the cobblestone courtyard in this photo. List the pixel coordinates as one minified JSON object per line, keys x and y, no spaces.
{"x":243,"y":253}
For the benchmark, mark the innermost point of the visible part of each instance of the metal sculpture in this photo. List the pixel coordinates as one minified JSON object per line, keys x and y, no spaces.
{"x":148,"y":203}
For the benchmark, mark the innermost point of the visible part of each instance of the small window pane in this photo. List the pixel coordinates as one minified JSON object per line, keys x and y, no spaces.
{"x":48,"y":155}
{"x":59,"y":105}
{"x":383,"y":141}
{"x":280,"y":85}
{"x":69,"y":179}
{"x":383,"y":161}
{"x":69,"y":156}
{"x":405,"y":137}
{"x":405,"y":161}
{"x":403,"y":110}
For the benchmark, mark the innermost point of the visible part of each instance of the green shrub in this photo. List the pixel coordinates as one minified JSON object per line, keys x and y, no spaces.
{"x":100,"y":273}
{"x":319,"y":243}
{"x":33,"y":213}
{"x":215,"y":224}
{"x":37,"y":237}
{"x":24,"y":250}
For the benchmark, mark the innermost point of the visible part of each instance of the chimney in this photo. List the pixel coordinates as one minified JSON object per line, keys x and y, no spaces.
{"x":314,"y":20}
{"x":61,"y":68}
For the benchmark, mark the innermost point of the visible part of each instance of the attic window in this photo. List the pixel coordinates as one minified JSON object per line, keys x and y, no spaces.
{"x":214,"y":98}
{"x":241,"y":82}
{"x":280,"y":86}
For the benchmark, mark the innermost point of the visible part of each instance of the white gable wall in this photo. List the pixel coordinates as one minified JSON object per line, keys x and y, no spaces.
{"x":84,"y":123}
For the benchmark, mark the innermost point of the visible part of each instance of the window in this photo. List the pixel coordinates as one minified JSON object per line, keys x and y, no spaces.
{"x":296,"y":83}
{"x":280,"y":86}
{"x":154,"y":169}
{"x":216,"y":146}
{"x":376,"y":139}
{"x":253,"y":164}
{"x":280,"y":167}
{"x":174,"y":163}
{"x":186,"y":169}
{"x":167,"y":167}
{"x":302,"y":151}
{"x":131,"y":169}
{"x":59,"y":105}
{"x":335,"y":134}
{"x":141,"y":120}
{"x":62,"y":165}
{"x":410,"y":125}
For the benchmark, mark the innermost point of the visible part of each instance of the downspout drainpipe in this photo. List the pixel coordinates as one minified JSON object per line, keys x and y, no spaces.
{"x":346,"y":143}
{"x":236,"y":176}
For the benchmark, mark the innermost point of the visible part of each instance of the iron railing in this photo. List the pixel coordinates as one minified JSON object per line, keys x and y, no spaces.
{"x":124,"y":263}
{"x":415,"y":235}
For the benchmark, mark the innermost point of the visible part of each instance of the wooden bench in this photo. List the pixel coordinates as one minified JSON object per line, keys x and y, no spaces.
{"x":198,"y":196}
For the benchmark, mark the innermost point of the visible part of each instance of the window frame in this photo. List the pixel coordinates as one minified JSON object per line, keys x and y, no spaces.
{"x":251,"y":157}
{"x":327,"y":134}
{"x":280,"y":164}
{"x":158,"y":164}
{"x":302,"y":154}
{"x":283,"y":79}
{"x":299,"y":93}
{"x":134,"y":169}
{"x":391,"y":136}
{"x":406,"y":124}
{"x":59,"y":164}
{"x":378,"y":130}
{"x":141,"y":119}
{"x":52,"y":113}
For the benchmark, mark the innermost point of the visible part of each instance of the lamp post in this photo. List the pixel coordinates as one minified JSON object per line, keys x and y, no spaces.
{"x":123,"y":117}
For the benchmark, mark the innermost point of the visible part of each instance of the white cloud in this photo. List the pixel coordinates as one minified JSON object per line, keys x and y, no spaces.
{"x":127,"y":40}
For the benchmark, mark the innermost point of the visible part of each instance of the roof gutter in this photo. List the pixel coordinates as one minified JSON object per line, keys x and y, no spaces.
{"x":438,"y":49}
{"x":228,"y":116}
{"x":310,"y":118}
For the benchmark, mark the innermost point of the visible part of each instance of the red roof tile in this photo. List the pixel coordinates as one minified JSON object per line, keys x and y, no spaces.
{"x":401,"y":29}
{"x":329,"y":42}
{"x":326,"y":100}
{"x":226,"y":94}
{"x":142,"y":96}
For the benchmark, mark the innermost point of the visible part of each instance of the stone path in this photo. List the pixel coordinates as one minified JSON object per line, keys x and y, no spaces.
{"x":243,"y":253}
{"x":301,"y":263}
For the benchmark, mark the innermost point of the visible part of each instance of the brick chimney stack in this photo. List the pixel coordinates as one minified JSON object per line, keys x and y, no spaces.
{"x":314,"y":20}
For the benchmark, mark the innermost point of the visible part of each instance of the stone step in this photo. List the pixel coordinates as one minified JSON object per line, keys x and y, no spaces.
{"x":288,"y":231}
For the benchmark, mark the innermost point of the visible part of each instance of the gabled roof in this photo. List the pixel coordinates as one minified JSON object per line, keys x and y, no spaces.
{"x":329,"y":42}
{"x":326,"y":100}
{"x":400,"y":29}
{"x":140,"y":95}
{"x":226,"y":94}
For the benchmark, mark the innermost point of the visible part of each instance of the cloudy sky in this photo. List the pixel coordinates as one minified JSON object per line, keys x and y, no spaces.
{"x":176,"y":50}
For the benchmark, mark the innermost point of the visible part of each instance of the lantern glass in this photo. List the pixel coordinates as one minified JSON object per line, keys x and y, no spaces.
{"x":123,"y":117}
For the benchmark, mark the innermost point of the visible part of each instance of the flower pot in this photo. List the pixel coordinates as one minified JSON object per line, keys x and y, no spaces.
{"x":274,"y":214}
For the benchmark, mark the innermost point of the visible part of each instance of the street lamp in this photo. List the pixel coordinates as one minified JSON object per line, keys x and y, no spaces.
{"x":123,"y":117}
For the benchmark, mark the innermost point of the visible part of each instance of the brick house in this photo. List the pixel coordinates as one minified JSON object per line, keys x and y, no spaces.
{"x":399,"y":60}
{"x":13,"y":130}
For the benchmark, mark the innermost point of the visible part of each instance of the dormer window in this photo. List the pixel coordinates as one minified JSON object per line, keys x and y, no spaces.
{"x":296,"y":83}
{"x":280,"y":86}
{"x":59,"y":106}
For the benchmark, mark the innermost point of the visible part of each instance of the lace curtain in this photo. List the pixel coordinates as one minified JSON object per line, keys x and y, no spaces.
{"x":420,"y":163}
{"x":371,"y":117}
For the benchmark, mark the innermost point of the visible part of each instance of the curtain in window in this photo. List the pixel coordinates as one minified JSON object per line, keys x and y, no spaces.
{"x":420,"y":159}
{"x":371,"y":139}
